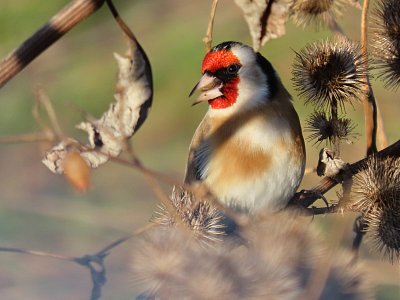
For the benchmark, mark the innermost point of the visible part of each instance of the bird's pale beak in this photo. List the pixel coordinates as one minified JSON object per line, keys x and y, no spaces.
{"x":210,"y":88}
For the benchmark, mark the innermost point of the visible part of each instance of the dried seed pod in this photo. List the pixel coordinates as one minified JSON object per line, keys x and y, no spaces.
{"x":386,"y":41}
{"x":328,"y":72}
{"x":77,"y":171}
{"x":304,"y":12}
{"x":201,"y":216}
{"x":376,"y":193}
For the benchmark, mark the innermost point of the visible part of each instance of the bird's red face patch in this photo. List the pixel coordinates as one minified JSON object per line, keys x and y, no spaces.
{"x":214,"y":61}
{"x":217,"y":60}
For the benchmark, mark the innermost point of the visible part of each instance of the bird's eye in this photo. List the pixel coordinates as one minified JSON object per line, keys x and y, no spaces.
{"x":232,"y":69}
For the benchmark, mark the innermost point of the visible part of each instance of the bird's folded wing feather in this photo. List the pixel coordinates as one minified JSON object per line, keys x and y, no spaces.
{"x":196,"y":163}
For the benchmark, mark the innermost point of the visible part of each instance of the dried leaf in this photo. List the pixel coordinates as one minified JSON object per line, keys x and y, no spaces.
{"x":266,"y":19}
{"x":328,"y":164}
{"x":107,"y":135}
{"x":76,"y":171}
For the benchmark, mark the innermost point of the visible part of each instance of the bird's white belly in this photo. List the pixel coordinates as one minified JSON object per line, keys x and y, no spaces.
{"x":264,"y":176}
{"x":270,"y":190}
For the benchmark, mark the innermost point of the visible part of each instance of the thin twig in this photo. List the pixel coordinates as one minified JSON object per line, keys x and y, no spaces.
{"x":125,"y":28}
{"x":137,"y":164}
{"x":34,"y":137}
{"x":208,"y":38}
{"x":37,"y":253}
{"x":94,"y":262}
{"x":48,"y":133}
{"x":155,"y":186}
{"x":44,"y":99}
{"x":55,"y":28}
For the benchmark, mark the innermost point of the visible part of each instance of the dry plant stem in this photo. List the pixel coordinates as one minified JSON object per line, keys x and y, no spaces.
{"x":93,"y":262}
{"x":336,"y":140}
{"x":37,"y":253}
{"x":153,"y":177}
{"x":61,"y":23}
{"x":48,"y":133}
{"x":44,"y":99}
{"x":208,"y":38}
{"x":155,"y":186}
{"x":120,"y":21}
{"x":370,"y":108}
{"x":327,"y":183}
{"x":35,"y":137}
{"x":380,"y":134}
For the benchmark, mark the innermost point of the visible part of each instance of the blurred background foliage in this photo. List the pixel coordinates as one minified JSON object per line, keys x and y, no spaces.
{"x":39,"y":210}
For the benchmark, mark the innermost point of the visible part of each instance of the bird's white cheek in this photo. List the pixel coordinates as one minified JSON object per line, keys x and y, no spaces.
{"x":251,"y":92}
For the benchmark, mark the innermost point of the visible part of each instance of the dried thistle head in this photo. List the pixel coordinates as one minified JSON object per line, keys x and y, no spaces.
{"x":384,"y":230}
{"x":298,"y":242}
{"x":386,"y":41}
{"x":168,"y":264}
{"x":346,"y":279}
{"x":324,"y":128}
{"x":158,"y":259}
{"x":199,"y":215}
{"x":273,"y":259}
{"x":304,"y":12}
{"x":376,"y":193}
{"x":329,"y":71}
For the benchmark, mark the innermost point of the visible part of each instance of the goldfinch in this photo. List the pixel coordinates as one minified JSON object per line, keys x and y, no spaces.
{"x":249,"y":148}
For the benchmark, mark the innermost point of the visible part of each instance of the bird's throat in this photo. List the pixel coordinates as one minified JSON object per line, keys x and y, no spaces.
{"x":229,"y":97}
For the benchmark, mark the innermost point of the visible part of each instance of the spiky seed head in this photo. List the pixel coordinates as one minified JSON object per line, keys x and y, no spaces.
{"x":376,"y":193}
{"x":273,"y":259}
{"x":323,"y":127}
{"x":227,"y":271}
{"x":344,"y":128}
{"x":200,"y":216}
{"x":298,"y":244}
{"x":346,"y":279}
{"x":386,"y":41}
{"x":384,"y":230}
{"x":305,"y":12}
{"x":320,"y":126}
{"x":329,"y":71}
{"x":158,"y":259}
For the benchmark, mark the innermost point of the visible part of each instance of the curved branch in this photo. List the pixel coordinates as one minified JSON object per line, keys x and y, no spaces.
{"x":306,"y":198}
{"x":59,"y":24}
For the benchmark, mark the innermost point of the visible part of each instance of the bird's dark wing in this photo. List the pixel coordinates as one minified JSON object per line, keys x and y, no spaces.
{"x":198,"y":153}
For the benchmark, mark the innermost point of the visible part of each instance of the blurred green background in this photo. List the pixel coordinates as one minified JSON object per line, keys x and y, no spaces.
{"x":39,"y":210}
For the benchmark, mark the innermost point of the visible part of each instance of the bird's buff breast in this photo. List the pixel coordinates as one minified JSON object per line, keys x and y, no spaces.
{"x":257,"y":167}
